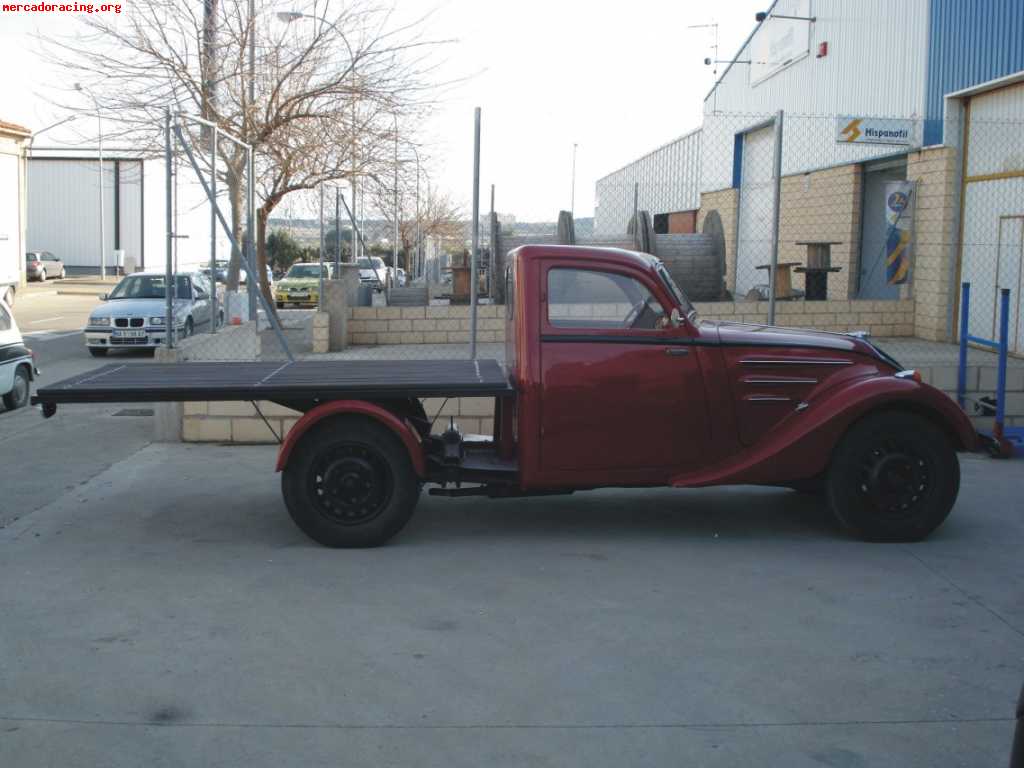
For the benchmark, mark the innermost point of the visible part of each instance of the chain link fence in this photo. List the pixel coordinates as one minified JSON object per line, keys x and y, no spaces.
{"x":820,"y":221}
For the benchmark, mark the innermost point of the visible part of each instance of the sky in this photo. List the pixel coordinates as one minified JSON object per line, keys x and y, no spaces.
{"x":617,"y":79}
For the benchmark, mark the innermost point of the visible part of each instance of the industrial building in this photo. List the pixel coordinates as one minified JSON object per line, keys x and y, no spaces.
{"x":13,"y":139}
{"x":65,"y":208}
{"x":922,"y":98}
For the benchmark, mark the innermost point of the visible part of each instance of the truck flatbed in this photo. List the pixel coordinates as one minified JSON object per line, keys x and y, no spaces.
{"x":305,"y":380}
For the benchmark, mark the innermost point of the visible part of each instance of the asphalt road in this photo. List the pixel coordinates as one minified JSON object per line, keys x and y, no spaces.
{"x":42,"y":459}
{"x":158,"y":607}
{"x":168,"y":613}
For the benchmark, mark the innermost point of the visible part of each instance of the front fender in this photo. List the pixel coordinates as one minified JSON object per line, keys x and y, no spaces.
{"x":402,"y":429}
{"x":801,"y":445}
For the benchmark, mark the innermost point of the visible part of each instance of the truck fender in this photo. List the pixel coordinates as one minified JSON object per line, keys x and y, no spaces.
{"x":402,"y":429}
{"x":802,"y":444}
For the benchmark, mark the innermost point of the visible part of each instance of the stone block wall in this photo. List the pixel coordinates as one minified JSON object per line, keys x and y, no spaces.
{"x":935,"y":237}
{"x":879,"y":318}
{"x":424,"y":325}
{"x":823,"y":205}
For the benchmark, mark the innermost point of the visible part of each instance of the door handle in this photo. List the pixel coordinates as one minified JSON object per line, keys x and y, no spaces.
{"x":677,"y":351}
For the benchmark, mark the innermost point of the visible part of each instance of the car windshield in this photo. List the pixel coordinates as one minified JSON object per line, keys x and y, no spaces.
{"x":365,"y":264}
{"x":149,"y":287}
{"x":688,"y":310}
{"x":305,"y":270}
{"x":377,"y":263}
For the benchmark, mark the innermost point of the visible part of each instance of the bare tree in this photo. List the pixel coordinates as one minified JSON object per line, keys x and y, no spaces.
{"x":424,"y":213}
{"x":326,"y":90}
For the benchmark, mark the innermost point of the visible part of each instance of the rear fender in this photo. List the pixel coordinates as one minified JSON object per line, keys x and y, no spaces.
{"x":802,"y":444}
{"x":402,"y":429}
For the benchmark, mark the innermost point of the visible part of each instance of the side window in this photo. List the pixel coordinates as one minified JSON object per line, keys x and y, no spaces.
{"x":583,"y":298}
{"x":5,"y":320}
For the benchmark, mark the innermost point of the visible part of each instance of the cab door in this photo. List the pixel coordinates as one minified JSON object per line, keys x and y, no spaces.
{"x":622,"y":396}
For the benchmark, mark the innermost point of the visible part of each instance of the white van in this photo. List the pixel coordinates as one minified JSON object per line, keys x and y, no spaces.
{"x":17,"y":365}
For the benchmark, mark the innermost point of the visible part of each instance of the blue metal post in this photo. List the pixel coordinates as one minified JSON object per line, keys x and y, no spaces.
{"x":961,"y":374}
{"x":1004,"y":347}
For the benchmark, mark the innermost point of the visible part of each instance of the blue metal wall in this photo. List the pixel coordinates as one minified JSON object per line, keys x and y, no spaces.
{"x":970,"y":42}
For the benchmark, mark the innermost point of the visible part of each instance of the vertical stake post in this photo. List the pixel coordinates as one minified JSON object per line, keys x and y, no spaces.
{"x":777,"y":179}
{"x":213,"y":231}
{"x":476,"y":234}
{"x":168,"y":202}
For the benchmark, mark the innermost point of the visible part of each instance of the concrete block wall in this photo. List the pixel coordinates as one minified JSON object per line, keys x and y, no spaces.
{"x":823,"y":205}
{"x":935,"y":237}
{"x":880,"y":318}
{"x":424,"y":325}
{"x":239,"y":422}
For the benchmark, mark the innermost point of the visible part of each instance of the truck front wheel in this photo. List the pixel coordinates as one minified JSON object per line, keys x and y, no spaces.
{"x":893,"y":477}
{"x":350,"y":483}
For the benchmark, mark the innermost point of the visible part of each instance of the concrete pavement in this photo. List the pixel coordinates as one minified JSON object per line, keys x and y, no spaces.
{"x":167,"y":612}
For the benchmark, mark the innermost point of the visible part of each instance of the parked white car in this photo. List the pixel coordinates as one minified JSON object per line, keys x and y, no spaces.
{"x":373,"y":272}
{"x":133,"y":314}
{"x":17,"y":365}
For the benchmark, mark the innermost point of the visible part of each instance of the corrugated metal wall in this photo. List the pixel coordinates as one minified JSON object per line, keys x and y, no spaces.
{"x":63,"y":210}
{"x":875,"y":67}
{"x":668,"y":179}
{"x":970,"y":43}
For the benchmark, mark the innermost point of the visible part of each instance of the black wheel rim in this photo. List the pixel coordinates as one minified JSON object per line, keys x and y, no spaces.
{"x":351,"y":484}
{"x":895,"y":477}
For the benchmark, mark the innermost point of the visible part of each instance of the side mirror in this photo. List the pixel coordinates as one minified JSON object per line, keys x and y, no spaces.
{"x":103,"y":296}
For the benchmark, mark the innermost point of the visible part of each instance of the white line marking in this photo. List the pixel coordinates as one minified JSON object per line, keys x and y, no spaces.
{"x":47,"y":335}
{"x":46,"y":320}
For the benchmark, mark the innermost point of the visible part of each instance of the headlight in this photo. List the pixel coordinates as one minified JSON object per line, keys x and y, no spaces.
{"x":156,"y":320}
{"x":99,"y":321}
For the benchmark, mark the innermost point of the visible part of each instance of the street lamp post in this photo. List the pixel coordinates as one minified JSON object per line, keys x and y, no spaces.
{"x":103,"y":229}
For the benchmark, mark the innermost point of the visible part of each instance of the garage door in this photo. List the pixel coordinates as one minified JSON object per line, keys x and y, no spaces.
{"x":757,"y":197}
{"x":993,"y":225}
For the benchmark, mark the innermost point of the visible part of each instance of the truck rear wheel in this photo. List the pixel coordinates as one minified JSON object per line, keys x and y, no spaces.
{"x":893,"y":477}
{"x":350,"y":483}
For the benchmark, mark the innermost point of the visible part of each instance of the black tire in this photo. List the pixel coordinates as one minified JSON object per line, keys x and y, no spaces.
{"x":220,"y":319}
{"x":280,"y":305}
{"x":373,"y":492}
{"x":18,"y":396}
{"x":97,"y":352}
{"x":190,"y":328}
{"x":42,"y":276}
{"x":893,"y":477}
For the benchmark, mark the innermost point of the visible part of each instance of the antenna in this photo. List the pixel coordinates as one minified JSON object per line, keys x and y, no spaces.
{"x":713,"y":25}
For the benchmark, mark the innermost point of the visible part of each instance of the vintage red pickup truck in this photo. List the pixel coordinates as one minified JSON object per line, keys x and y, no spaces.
{"x":610,"y":378}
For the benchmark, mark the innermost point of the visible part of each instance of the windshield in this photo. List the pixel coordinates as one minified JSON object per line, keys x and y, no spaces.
{"x":677,"y":293}
{"x":149,"y":287}
{"x":378,"y":263}
{"x":305,"y":270}
{"x":365,"y":264}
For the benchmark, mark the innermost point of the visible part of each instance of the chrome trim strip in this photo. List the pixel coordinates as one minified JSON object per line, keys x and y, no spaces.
{"x":796,"y":361}
{"x":767,"y":399}
{"x":780,"y":381}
